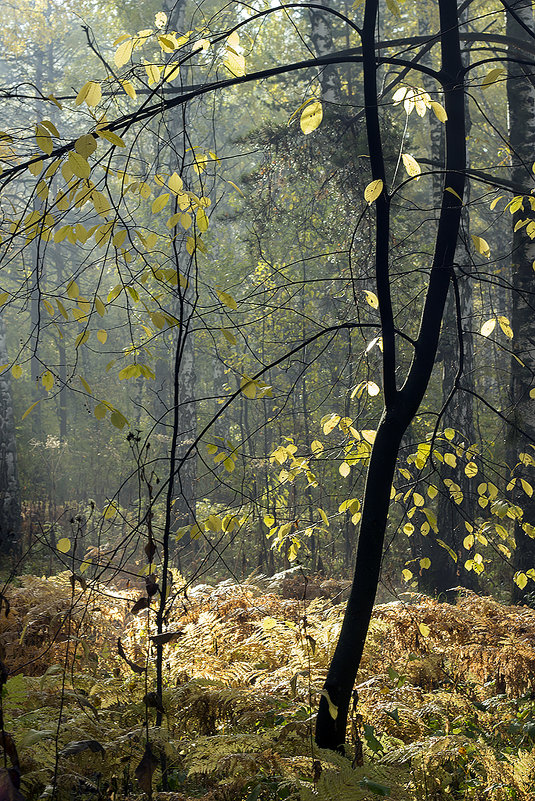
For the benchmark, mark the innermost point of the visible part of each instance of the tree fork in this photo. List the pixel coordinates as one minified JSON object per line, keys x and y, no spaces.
{"x":400,"y":405}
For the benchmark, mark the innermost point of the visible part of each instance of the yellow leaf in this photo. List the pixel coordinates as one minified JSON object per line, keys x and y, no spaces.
{"x":520,"y":579}
{"x":117,"y":419}
{"x":153,"y":73}
{"x":407,"y":575}
{"x":495,"y":201}
{"x":425,"y":563}
{"x":202,"y":220}
{"x":129,"y":89}
{"x":481,"y":245}
{"x":411,"y":166}
{"x":372,"y":191}
{"x":505,"y":325}
{"x":176,"y":184}
{"x":110,"y":136}
{"x":229,"y":336}
{"x":43,"y":139}
{"x":468,"y":541}
{"x":72,"y":290}
{"x":344,"y":469}
{"x":488,"y":327}
{"x":372,"y":299}
{"x":29,"y":409}
{"x":123,"y":52}
{"x":79,"y":165}
{"x":311,"y":117}
{"x":100,"y":411}
{"x":372,"y":388}
{"x":235,"y":63}
{"x":102,"y":335}
{"x":100,"y":307}
{"x":63,"y":545}
{"x":81,"y":338}
{"x":227,"y":300}
{"x":91,"y":93}
{"x":453,"y":192}
{"x":248,"y":387}
{"x":85,"y":145}
{"x":439,"y":111}
{"x":35,"y":167}
{"x":491,"y":77}
{"x":160,"y":203}
{"x":16,"y":371}
{"x":48,"y":380}
{"x":110,"y":511}
{"x":450,"y":459}
{"x":471,"y":469}
{"x":323,"y":516}
{"x":425,"y":631}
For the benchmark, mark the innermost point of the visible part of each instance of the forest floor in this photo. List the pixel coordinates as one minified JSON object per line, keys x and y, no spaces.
{"x":446,"y":697}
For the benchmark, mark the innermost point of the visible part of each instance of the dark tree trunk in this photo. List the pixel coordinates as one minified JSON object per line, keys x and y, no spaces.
{"x":9,"y":480}
{"x":402,"y":404}
{"x":521,"y":101}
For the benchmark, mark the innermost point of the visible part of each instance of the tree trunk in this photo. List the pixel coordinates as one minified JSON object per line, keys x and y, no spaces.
{"x":521,"y":102}
{"x":401,"y":405}
{"x":322,"y":39}
{"x":9,"y":480}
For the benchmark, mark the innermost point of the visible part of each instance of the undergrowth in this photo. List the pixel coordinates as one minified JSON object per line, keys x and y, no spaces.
{"x":445,"y":708}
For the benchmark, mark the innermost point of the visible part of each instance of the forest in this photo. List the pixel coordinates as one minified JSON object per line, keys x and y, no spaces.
{"x":267,"y":400}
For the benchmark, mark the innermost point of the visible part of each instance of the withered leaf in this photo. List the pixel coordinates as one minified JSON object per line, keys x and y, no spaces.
{"x":166,"y":636}
{"x":145,"y":769}
{"x":141,"y":603}
{"x":80,"y":579}
{"x":151,"y":584}
{"x":154,"y":700}
{"x":77,"y":746}
{"x":150,"y":549}
{"x":135,"y":667}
